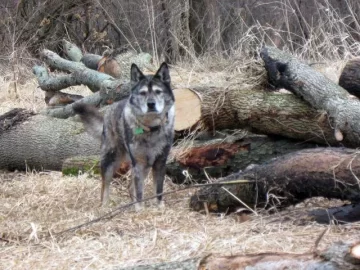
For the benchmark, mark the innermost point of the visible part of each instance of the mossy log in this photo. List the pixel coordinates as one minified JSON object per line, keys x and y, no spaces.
{"x":287,"y":180}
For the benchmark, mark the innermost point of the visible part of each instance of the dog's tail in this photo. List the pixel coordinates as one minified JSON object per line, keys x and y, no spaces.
{"x":92,"y":119}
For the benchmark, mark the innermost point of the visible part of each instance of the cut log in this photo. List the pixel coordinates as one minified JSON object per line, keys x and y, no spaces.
{"x":287,"y":180}
{"x":339,"y":256}
{"x":214,"y":157}
{"x":287,"y":72}
{"x":350,"y":77}
{"x":187,"y":108}
{"x":40,"y":142}
{"x":110,"y":66}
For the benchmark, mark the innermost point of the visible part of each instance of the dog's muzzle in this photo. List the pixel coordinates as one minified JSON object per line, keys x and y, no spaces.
{"x":151,"y":106}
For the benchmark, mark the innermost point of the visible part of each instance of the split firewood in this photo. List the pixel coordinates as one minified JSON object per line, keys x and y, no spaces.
{"x":60,"y":99}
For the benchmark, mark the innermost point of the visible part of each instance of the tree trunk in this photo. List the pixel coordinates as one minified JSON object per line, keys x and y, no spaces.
{"x":339,"y":256}
{"x":321,"y":93}
{"x":287,"y":180}
{"x":223,"y":156}
{"x":212,"y":157}
{"x":42,"y":142}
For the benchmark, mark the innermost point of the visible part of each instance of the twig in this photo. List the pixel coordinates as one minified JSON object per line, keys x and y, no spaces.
{"x":117,"y":210}
{"x":318,"y":239}
{"x":244,"y":204}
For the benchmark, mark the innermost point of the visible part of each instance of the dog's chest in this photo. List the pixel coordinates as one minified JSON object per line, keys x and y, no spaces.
{"x":145,"y":148}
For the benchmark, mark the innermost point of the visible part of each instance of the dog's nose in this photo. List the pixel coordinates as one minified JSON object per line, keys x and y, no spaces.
{"x":151,"y":105}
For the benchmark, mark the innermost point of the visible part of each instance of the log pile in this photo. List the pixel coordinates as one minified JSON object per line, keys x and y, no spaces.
{"x":236,"y":129}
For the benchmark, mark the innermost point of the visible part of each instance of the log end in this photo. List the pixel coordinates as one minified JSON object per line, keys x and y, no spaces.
{"x":355,"y":252}
{"x":187,"y":108}
{"x":350,"y":77}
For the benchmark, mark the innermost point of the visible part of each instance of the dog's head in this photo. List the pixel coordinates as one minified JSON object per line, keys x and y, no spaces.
{"x":151,"y":95}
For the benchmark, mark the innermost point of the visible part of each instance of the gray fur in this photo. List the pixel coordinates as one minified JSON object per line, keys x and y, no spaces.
{"x":139,"y":129}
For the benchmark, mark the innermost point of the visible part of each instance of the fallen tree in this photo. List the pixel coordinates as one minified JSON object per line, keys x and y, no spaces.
{"x":222,"y":107}
{"x":287,"y":180}
{"x":234,"y":106}
{"x":208,"y":156}
{"x":339,"y":256}
{"x":41,"y":142}
{"x":285,"y":71}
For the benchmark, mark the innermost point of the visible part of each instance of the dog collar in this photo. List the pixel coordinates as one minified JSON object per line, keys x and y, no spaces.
{"x":143,"y":128}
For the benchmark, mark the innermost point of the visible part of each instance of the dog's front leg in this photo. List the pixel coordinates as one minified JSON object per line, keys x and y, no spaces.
{"x":108,"y":160}
{"x":158,"y":172}
{"x":139,"y":174}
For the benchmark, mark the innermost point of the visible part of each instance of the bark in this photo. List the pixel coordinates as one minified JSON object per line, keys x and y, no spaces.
{"x":340,"y":255}
{"x":72,"y":51}
{"x":40,"y":142}
{"x":91,"y":60}
{"x":338,"y":215}
{"x":350,"y":77}
{"x":80,"y":73}
{"x":216,"y":157}
{"x":224,"y":156}
{"x":321,"y":93}
{"x":287,"y":180}
{"x":111,"y":90}
{"x":267,"y":113}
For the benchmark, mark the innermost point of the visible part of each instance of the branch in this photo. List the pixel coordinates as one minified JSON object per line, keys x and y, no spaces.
{"x":321,"y":93}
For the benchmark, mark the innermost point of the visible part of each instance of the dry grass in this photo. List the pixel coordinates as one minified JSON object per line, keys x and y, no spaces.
{"x":36,"y":205}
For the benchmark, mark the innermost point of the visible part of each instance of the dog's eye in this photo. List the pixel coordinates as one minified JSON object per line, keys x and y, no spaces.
{"x":158,"y":92}
{"x":143,"y":93}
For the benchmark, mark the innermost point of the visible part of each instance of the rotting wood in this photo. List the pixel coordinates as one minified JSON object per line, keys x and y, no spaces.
{"x":213,"y":157}
{"x":287,"y":180}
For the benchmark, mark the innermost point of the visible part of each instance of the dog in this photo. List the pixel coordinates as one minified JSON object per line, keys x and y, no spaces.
{"x":139,"y":129}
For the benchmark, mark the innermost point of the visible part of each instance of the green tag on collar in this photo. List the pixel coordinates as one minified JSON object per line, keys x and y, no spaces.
{"x":138,"y":131}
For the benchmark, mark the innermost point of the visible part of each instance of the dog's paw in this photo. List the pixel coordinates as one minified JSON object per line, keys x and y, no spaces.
{"x":139,"y":206}
{"x":161,"y":204}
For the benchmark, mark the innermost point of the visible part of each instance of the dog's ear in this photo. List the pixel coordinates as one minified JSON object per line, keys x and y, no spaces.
{"x":136,"y":75}
{"x":163,"y":73}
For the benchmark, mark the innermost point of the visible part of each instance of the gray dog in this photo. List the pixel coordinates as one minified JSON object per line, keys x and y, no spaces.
{"x":139,"y":129}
